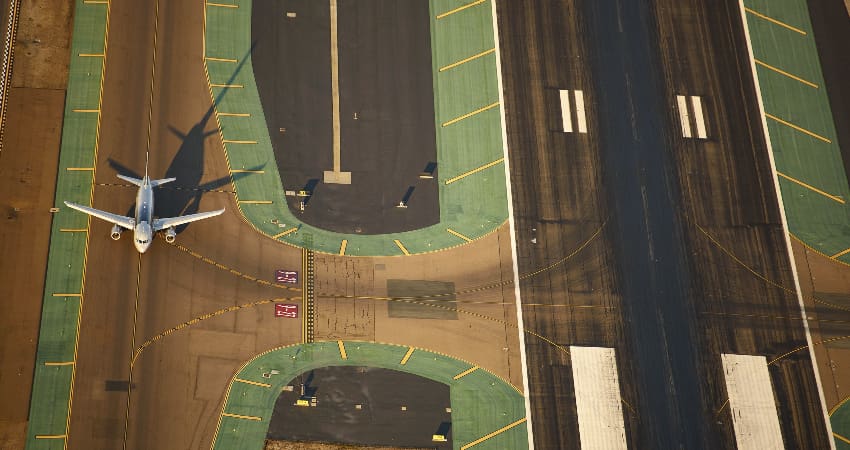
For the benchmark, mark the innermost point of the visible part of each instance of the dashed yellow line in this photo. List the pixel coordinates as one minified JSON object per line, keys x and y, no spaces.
{"x":460,"y":8}
{"x":465,"y":373}
{"x":774,"y":21}
{"x":227,"y":114}
{"x":222,"y":5}
{"x":342,"y":349}
{"x":810,"y":187}
{"x":284,"y":233}
{"x":499,"y":431}
{"x":255,"y":202}
{"x":80,"y":169}
{"x":407,"y":355}
{"x":464,"y":61}
{"x":401,"y":247}
{"x":210,"y":58}
{"x":342,"y":247}
{"x":782,"y":72}
{"x":476,"y":170}
{"x":240,"y":416}
{"x":470,"y":114}
{"x":237,"y":141}
{"x":800,"y":129}
{"x":458,"y":235}
{"x":73,"y":230}
{"x":253,"y":383}
{"x":63,"y":363}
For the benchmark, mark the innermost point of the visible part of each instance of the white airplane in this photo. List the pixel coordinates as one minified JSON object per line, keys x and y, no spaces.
{"x":144,"y":225}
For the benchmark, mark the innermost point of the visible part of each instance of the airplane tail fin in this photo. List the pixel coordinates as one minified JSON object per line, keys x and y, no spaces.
{"x":135,"y":181}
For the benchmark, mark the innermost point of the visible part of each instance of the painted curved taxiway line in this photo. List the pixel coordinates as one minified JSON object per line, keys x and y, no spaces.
{"x":798,"y":118}
{"x":486,"y":410}
{"x":64,"y":286}
{"x":472,"y":181}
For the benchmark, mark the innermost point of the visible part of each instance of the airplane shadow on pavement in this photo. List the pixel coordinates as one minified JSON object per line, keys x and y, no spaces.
{"x":183,"y":196}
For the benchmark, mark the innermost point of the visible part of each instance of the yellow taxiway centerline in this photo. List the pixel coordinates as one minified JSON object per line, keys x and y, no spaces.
{"x":476,"y":170}
{"x":460,"y":8}
{"x":810,"y":187}
{"x":782,"y":72}
{"x":499,"y":431}
{"x":772,"y":20}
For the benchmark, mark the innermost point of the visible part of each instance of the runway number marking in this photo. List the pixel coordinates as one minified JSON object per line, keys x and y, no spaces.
{"x":689,"y":110}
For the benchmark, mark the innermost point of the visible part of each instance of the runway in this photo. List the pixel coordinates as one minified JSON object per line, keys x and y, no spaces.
{"x":677,"y":213}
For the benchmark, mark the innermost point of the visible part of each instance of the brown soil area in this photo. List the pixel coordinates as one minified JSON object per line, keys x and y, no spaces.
{"x":285,"y":445}
{"x":27,"y":181}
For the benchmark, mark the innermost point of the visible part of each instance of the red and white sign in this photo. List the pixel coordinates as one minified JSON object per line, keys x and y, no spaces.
{"x":286,"y":276}
{"x":286,"y":310}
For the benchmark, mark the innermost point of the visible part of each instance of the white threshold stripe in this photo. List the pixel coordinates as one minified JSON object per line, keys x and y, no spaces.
{"x":582,"y":122}
{"x":684,"y":117}
{"x":751,"y":402}
{"x":598,"y":401}
{"x":783,"y":216}
{"x":566,"y":116}
{"x":696,"y":101}
{"x":512,"y":226}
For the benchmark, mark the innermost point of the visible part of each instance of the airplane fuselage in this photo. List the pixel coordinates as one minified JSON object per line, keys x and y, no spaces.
{"x":143,"y":233}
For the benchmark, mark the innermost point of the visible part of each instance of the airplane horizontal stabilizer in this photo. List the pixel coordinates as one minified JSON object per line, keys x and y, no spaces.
{"x":155,"y":183}
{"x":135,"y":181}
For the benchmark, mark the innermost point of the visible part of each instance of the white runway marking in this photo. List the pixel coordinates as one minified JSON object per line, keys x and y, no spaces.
{"x":684,"y":116}
{"x":751,"y":402}
{"x":598,"y":403}
{"x":582,"y":122}
{"x":566,"y":116}
{"x":696,"y":101}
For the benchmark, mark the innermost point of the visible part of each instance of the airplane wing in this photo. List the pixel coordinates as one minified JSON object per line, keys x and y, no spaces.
{"x":161,"y":224}
{"x":122,"y":221}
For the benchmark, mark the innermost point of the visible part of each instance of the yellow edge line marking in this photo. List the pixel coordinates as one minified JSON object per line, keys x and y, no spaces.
{"x":839,"y":405}
{"x":50,"y":436}
{"x":476,"y":170}
{"x":407,"y":355}
{"x":465,"y":373}
{"x":247,"y":171}
{"x":499,"y":431}
{"x":463,"y":61}
{"x":342,"y":349}
{"x":254,"y":202}
{"x":342,"y":247}
{"x":401,"y":247}
{"x":240,"y":416}
{"x":226,"y":85}
{"x":253,"y":383}
{"x":772,"y":20}
{"x":841,"y":437}
{"x":235,"y":141}
{"x":225,"y":114}
{"x":73,"y":230}
{"x":840,"y":254}
{"x":80,"y":169}
{"x":66,"y":363}
{"x":782,"y":72}
{"x":460,"y":8}
{"x":90,"y":55}
{"x":230,"y":60}
{"x":67,"y":295}
{"x":470,"y":114}
{"x":458,"y":235}
{"x":807,"y":186}
{"x":291,"y":230}
{"x":86,"y":110}
{"x":802,"y":130}
{"x":222,"y":5}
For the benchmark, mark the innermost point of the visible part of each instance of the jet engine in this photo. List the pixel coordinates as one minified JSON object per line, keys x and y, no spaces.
{"x":115,"y":234}
{"x":170,"y":235}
